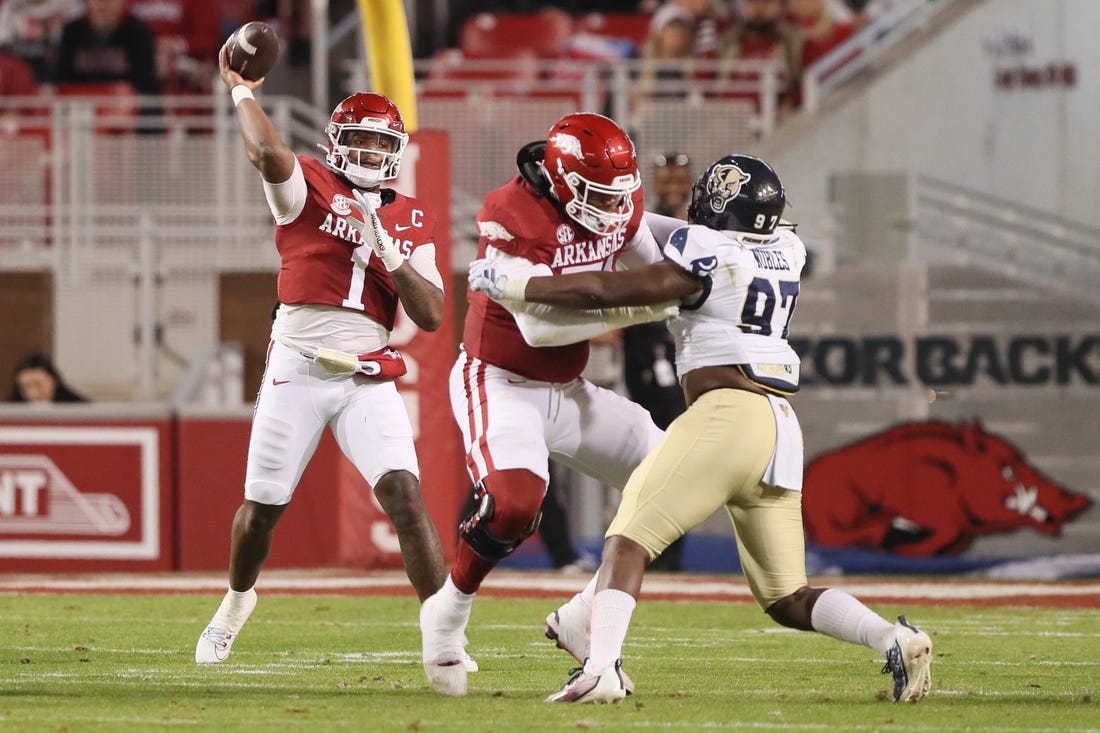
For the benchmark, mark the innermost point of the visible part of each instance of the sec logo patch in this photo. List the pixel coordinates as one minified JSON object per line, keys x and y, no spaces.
{"x":565,"y":234}
{"x":341,"y":204}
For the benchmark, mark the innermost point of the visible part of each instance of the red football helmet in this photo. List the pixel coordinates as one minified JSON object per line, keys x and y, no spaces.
{"x":376,"y":155}
{"x":593,"y":171}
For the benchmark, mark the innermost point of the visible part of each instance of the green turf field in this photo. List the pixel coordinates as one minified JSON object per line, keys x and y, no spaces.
{"x":125,"y":662}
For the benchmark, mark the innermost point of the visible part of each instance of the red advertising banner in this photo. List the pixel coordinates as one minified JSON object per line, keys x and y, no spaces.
{"x":212,"y":449}
{"x":90,"y":494}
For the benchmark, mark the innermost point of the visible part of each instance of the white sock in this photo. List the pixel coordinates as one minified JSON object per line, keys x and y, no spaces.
{"x":842,"y":616}
{"x":611,"y":612}
{"x":589,"y":592}
{"x":235,"y":609}
{"x":581,"y":603}
{"x":460,"y":600}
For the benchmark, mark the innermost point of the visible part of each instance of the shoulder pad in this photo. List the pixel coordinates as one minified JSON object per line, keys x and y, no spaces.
{"x":692,"y":248}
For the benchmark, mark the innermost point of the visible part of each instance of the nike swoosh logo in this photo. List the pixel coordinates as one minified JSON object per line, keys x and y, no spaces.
{"x":221,"y":651}
{"x":399,"y":228}
{"x":277,"y":382}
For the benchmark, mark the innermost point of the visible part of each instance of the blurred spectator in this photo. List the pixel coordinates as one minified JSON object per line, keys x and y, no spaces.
{"x":31,"y":29}
{"x":16,"y":80}
{"x":866,"y":11}
{"x":16,"y":77}
{"x":188,"y":36}
{"x":573,"y":7}
{"x":107,"y":44}
{"x":761,"y":33}
{"x":671,"y":184}
{"x":37,"y":380}
{"x":232,"y":14}
{"x":680,"y":31}
{"x":294,"y":23}
{"x":822,"y":29}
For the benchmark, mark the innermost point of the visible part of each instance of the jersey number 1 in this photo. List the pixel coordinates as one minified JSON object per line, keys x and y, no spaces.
{"x":360,"y":258}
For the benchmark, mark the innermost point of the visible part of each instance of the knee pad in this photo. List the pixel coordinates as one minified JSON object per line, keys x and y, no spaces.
{"x":267,"y":492}
{"x":477,"y":530}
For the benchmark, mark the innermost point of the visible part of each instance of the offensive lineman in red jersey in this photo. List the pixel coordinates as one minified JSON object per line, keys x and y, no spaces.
{"x":350,"y":250}
{"x":516,"y":388}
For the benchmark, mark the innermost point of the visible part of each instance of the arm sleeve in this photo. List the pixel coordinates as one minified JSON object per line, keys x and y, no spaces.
{"x":514,"y":266}
{"x":422,"y":260}
{"x":662,"y":226}
{"x":287,"y":199}
{"x":546,"y":325}
{"x":641,"y":250}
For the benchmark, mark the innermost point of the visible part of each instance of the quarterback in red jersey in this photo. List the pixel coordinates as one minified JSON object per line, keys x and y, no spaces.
{"x":516,"y":389}
{"x":350,"y":251}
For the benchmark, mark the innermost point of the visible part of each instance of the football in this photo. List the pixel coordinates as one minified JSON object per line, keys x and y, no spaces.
{"x":252,"y":50}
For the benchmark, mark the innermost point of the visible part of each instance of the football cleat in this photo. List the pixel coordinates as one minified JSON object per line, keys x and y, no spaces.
{"x":217,"y":639}
{"x":214,"y":645}
{"x":910,"y":661}
{"x":568,"y":629}
{"x":469,"y":662}
{"x":607,"y":686}
{"x":442,"y":632}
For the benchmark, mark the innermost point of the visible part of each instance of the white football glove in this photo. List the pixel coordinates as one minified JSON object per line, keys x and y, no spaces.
{"x":485,"y":277}
{"x":370,"y":229}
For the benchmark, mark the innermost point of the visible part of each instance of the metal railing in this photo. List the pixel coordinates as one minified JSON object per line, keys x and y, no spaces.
{"x":1013,"y":240}
{"x":860,"y":52}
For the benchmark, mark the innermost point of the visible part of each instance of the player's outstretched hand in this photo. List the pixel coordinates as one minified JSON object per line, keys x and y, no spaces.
{"x":230,"y":77}
{"x":370,"y":229}
{"x":486,"y":278}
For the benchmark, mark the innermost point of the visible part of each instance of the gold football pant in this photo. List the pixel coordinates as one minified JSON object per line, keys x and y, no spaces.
{"x":714,"y":456}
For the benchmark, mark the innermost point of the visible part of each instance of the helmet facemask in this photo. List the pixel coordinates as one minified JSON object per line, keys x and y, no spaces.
{"x":600,"y":208}
{"x":366,"y":164}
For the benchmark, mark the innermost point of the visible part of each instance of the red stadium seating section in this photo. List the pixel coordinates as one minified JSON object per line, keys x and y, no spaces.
{"x":499,"y":53}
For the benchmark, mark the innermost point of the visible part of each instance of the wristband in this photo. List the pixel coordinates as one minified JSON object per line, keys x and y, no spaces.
{"x":241,"y":93}
{"x":515,"y":288}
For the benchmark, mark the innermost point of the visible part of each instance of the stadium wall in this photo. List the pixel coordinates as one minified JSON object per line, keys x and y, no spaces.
{"x":1002,"y":100}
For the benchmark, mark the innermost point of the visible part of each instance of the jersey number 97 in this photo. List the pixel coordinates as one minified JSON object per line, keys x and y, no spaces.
{"x":766,"y":311}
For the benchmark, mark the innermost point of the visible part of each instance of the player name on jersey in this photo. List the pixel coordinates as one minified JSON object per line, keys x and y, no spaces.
{"x":769,"y":259}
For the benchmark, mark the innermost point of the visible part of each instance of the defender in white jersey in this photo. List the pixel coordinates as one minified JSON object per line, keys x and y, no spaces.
{"x":736,"y":272}
{"x":351,"y":252}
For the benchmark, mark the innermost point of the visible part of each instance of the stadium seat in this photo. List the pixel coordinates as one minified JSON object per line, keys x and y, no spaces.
{"x":632,"y":27}
{"x":116,"y":103}
{"x":497,"y":35}
{"x":452,"y":74}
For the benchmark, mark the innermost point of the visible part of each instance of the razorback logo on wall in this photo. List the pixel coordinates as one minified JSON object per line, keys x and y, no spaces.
{"x":79,"y":492}
{"x":930,"y":488}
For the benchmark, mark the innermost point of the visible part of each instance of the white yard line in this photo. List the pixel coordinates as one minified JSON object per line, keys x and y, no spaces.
{"x":686,"y":586}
